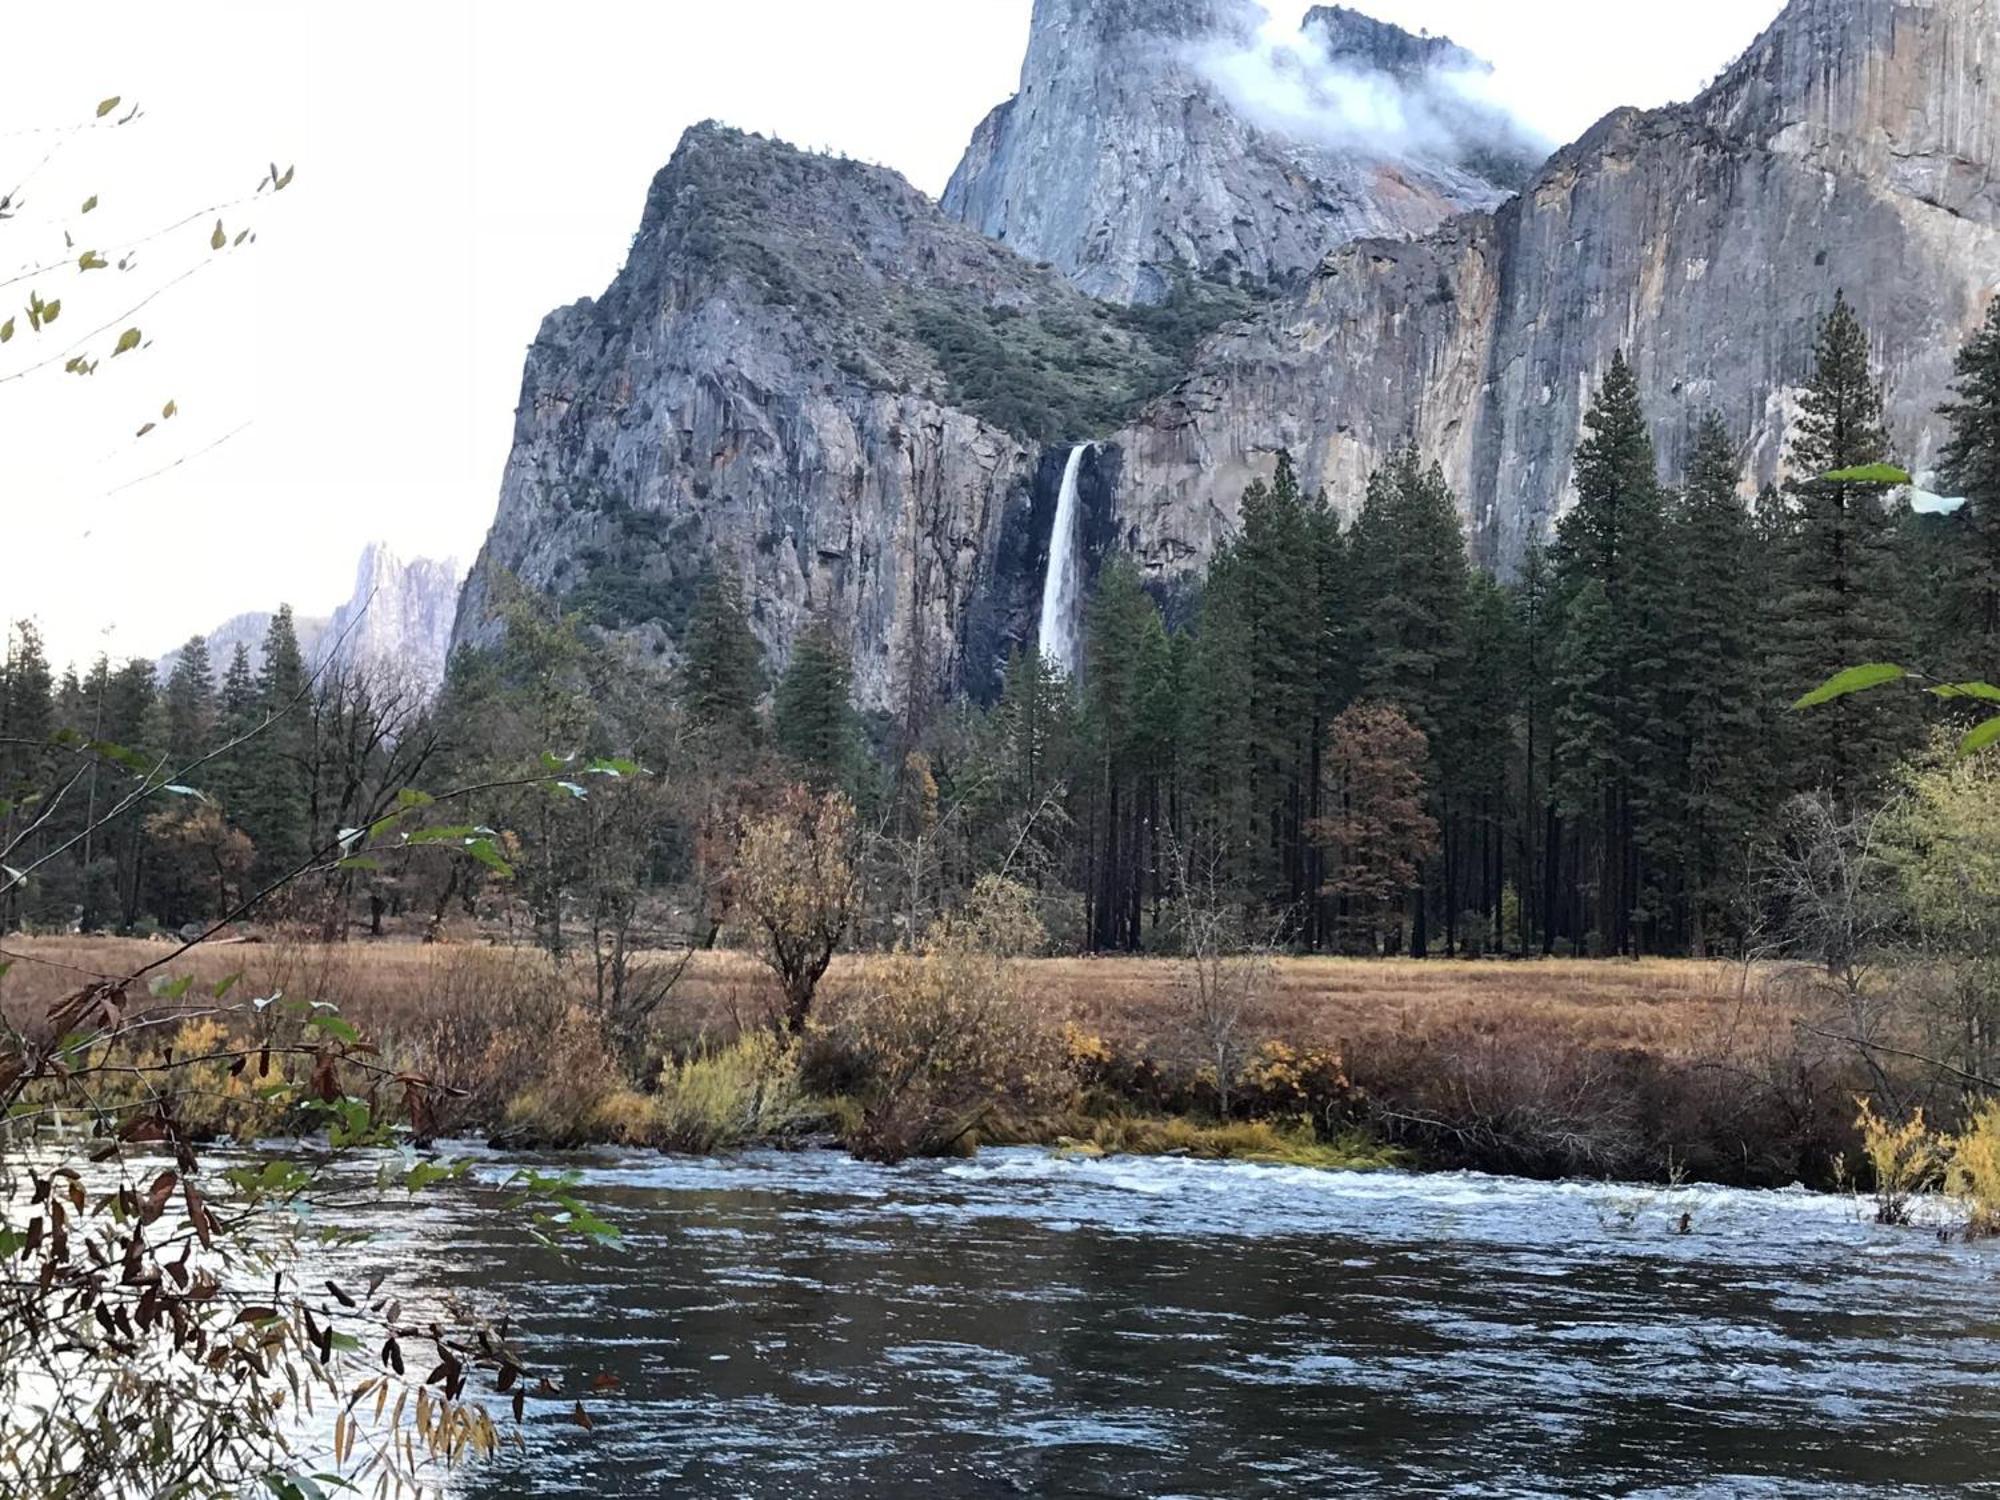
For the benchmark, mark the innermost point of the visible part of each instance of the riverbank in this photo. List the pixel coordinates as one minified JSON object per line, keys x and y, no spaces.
{"x":1657,"y":1070}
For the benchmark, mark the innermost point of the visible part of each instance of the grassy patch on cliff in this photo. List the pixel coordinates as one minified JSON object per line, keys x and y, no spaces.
{"x":1072,"y":370}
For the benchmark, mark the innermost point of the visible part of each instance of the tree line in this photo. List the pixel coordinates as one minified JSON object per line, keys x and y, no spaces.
{"x":1362,"y":741}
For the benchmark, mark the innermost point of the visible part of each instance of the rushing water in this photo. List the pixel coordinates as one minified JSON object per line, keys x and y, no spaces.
{"x":1060,"y":583}
{"x":1022,"y":1324}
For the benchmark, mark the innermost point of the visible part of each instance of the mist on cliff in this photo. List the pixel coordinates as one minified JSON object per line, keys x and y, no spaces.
{"x":1285,"y":80}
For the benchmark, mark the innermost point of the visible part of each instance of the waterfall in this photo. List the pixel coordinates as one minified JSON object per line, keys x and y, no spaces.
{"x":1059,"y":588}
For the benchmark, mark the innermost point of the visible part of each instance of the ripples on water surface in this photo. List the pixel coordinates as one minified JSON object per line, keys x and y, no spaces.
{"x":1027,"y":1325}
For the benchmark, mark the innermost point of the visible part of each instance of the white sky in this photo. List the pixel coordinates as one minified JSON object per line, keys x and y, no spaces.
{"x":464,"y":166}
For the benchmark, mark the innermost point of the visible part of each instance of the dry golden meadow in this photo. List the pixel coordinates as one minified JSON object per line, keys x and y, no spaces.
{"x":391,"y":989}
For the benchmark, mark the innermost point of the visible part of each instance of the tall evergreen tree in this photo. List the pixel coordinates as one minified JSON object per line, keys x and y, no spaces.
{"x":1843,"y":603}
{"x":722,"y":667}
{"x":190,"y":701}
{"x":1537,"y":633}
{"x":1719,"y":681}
{"x":1411,"y":585}
{"x":814,"y":722}
{"x":1970,"y":465}
{"x":1130,"y":728}
{"x":27,"y":722}
{"x":1610,"y":560}
{"x":277,"y":768}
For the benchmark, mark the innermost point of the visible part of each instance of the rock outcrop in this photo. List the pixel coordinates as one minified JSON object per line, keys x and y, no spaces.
{"x":808,"y":375}
{"x":396,"y":622}
{"x":1153,"y":138}
{"x":1852,"y":147}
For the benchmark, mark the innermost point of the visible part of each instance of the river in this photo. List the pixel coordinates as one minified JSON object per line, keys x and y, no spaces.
{"x":1022,"y":1324}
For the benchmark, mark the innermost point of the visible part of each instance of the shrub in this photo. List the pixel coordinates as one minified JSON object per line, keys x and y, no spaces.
{"x":951,"y":1032}
{"x":574,"y":1093}
{"x":1973,"y":1176}
{"x":1908,"y":1160}
{"x":746,"y":1093}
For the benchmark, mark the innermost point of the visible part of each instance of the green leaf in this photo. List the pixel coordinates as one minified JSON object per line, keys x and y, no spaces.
{"x":90,"y":260}
{"x":171,"y":409}
{"x":224,"y":986}
{"x":453,"y":835}
{"x":334,"y":1026}
{"x":89,"y":203}
{"x":409,"y":796}
{"x":614,"y":766}
{"x":105,"y":106}
{"x":488,"y":854}
{"x":127,"y":340}
{"x":217,"y":240}
{"x":284,"y":182}
{"x":6,"y":330}
{"x":1867,"y":474}
{"x":1985,"y":735}
{"x":358,"y":862}
{"x":1853,"y":680}
{"x":1985,"y":692}
{"x":172,"y":989}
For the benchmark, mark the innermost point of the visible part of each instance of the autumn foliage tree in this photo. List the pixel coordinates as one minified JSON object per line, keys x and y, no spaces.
{"x":1378,"y":832}
{"x":796,"y":876}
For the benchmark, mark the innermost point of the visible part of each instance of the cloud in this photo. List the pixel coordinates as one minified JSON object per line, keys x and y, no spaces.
{"x":1286,"y":81}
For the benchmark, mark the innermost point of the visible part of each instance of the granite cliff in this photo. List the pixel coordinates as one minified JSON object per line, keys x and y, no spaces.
{"x":397,"y":620}
{"x":1154,"y":139}
{"x":864,"y":403}
{"x":807,"y":374}
{"x":1852,"y":147}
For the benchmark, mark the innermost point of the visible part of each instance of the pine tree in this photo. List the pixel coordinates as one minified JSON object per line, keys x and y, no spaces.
{"x":1220,"y":818}
{"x":1276,"y":571}
{"x":814,"y":723}
{"x":722,"y":668}
{"x":1719,"y":683}
{"x":190,"y":704}
{"x":1970,"y":465}
{"x":1125,"y":648}
{"x":277,"y":764}
{"x":1843,"y":603}
{"x":239,"y":686}
{"x":1611,"y":566}
{"x":1411,"y":583}
{"x":27,"y":722}
{"x":1410,"y":576}
{"x":1537,"y":633}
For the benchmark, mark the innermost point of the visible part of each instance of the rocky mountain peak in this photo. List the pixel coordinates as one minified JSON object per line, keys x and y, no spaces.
{"x":1153,"y":142}
{"x":397,"y":622}
{"x":1361,"y":41}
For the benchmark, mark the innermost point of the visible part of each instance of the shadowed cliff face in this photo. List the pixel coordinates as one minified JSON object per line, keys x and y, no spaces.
{"x":808,"y":375}
{"x":1151,"y":140}
{"x":1851,"y":147}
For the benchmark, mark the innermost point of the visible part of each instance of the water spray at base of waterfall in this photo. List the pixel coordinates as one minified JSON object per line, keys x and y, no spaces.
{"x":1063,"y":583}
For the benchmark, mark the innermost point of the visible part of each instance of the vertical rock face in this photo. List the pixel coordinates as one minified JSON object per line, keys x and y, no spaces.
{"x":396,"y":622}
{"x":1150,"y":139}
{"x":1850,"y":148}
{"x":398,"y":619}
{"x":804,"y":374}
